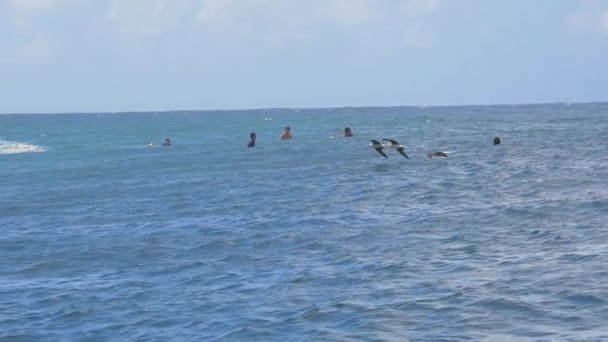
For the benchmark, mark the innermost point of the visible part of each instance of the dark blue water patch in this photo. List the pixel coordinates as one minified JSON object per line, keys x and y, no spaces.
{"x":582,"y":299}
{"x":576,"y":258}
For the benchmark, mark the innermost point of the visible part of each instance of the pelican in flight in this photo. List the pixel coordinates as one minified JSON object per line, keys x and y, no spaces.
{"x":396,"y":145}
{"x":376,"y":145}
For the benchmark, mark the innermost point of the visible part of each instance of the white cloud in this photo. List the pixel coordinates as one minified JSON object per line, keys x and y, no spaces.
{"x":271,"y":21}
{"x":349,"y":12}
{"x":136,"y":17}
{"x":37,"y":50}
{"x":259,"y":21}
{"x":591,"y":17}
{"x":604,"y":22}
{"x":147,"y":17}
{"x":33,"y":5}
{"x":30,"y":41}
{"x":24,"y":14}
{"x":413,"y":8}
{"x":212,"y":9}
{"x":220,"y":16}
{"x":283,"y":20}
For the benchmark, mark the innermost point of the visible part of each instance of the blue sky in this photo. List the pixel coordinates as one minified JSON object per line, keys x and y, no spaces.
{"x":128,"y":55}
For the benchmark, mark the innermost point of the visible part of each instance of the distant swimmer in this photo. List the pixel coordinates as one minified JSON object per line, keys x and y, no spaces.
{"x":150,"y":145}
{"x":287,"y":135}
{"x":496,"y":141}
{"x":437,"y":154}
{"x":252,"y":141}
{"x":396,"y":145}
{"x":376,"y":145}
{"x":347,"y":132}
{"x":167,"y":142}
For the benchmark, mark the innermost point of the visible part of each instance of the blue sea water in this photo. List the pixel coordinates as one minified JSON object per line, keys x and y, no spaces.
{"x":317,"y":238}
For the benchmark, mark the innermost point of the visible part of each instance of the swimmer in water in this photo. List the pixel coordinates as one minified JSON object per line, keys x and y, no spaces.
{"x":287,"y":135}
{"x":347,"y":132}
{"x":252,"y":142}
{"x":150,"y":145}
{"x":496,"y":141}
{"x":167,"y":142}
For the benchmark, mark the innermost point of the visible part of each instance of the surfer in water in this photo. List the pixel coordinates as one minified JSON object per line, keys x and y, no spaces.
{"x":167,"y":142}
{"x":287,"y":135}
{"x":252,"y":141}
{"x":347,"y":132}
{"x":496,"y":141}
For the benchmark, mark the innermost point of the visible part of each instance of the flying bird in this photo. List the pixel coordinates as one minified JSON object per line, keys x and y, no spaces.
{"x":396,"y":145}
{"x":376,"y":145}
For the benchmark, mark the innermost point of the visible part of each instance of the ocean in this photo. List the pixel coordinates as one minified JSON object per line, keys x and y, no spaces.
{"x":314,"y":239}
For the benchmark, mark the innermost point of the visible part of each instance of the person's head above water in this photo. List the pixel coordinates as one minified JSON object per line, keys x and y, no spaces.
{"x":287,"y":135}
{"x":496,"y":141}
{"x":252,"y":136}
{"x":167,"y":142}
{"x":348,"y":132}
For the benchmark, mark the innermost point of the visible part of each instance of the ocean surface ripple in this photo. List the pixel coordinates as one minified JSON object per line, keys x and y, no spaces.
{"x":318,"y":238}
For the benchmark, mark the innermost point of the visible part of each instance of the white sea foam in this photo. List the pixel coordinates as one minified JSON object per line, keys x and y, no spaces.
{"x":12,"y":147}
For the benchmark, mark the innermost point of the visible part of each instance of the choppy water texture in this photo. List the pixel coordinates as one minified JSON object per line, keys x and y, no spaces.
{"x":317,"y":238}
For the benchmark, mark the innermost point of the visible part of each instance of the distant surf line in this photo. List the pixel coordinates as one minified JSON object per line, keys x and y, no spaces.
{"x":14,"y":147}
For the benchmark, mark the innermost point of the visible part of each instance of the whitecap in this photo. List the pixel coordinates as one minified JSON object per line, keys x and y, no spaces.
{"x":12,"y":147}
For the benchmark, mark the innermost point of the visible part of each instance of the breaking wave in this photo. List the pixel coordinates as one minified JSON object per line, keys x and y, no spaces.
{"x":12,"y":147}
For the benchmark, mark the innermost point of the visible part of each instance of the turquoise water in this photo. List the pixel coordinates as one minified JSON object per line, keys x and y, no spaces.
{"x":317,"y":238}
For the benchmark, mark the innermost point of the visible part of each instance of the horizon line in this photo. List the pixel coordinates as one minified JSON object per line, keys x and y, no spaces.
{"x":309,"y":108}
